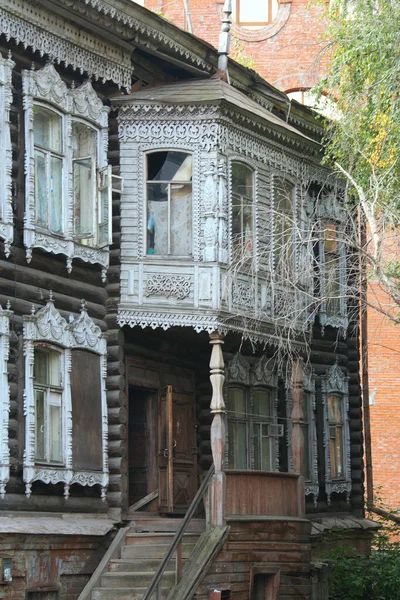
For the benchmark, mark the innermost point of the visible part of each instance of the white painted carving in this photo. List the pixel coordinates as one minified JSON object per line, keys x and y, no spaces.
{"x":238,"y":370}
{"x":263,"y":373}
{"x":47,"y":325}
{"x":5,"y":316}
{"x":47,"y":87}
{"x":335,"y":382}
{"x":51,"y":35}
{"x":169,"y":286}
{"x":6,"y":212}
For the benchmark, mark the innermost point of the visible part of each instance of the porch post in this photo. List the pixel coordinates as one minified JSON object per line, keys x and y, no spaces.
{"x":218,"y":431}
{"x":297,"y":441}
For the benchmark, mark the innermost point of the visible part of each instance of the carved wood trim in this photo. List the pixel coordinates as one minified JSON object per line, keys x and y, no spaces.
{"x":6,"y":210}
{"x":5,"y":315}
{"x":48,"y":326}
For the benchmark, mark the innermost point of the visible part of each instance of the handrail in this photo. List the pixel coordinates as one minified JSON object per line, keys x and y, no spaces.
{"x":179,"y":534}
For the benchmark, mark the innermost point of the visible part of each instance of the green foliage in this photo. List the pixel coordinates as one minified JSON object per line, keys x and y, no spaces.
{"x":364,"y":144}
{"x":374,"y":577}
{"x":238,"y":53}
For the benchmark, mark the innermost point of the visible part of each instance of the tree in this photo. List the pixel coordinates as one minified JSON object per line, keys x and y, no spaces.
{"x":364,"y":144}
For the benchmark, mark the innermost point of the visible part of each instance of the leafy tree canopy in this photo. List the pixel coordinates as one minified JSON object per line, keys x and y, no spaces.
{"x":364,"y":144}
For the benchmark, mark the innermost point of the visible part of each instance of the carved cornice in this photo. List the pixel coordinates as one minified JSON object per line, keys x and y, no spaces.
{"x":263,"y":373}
{"x":45,"y":32}
{"x":126,"y":26}
{"x":238,"y":370}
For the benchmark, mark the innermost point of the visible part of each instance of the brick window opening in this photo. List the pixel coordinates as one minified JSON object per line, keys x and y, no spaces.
{"x":253,"y":13}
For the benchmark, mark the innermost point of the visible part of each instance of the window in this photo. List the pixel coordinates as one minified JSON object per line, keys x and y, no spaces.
{"x":309,"y":467}
{"x":49,"y":162}
{"x":252,"y":418}
{"x":169,"y":203}
{"x":66,"y":149}
{"x":253,"y":13}
{"x":5,"y":315}
{"x":6,"y":209}
{"x":332,"y":263}
{"x":335,"y":418}
{"x":332,"y":287}
{"x":242,"y":210}
{"x":334,"y":388}
{"x":305,"y":427}
{"x":48,"y":391}
{"x":283,"y":228}
{"x":65,"y":396}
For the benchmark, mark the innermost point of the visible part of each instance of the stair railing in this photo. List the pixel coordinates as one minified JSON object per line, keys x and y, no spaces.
{"x":176,"y":543}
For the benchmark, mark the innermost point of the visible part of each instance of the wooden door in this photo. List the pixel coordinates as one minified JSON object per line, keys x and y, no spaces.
{"x":177,"y":455}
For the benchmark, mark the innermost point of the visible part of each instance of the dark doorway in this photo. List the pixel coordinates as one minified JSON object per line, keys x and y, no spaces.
{"x":141,"y":444}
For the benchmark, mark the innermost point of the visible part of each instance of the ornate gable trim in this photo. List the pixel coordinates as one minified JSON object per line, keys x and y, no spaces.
{"x":263,"y":373}
{"x":6,"y":212}
{"x":238,"y":370}
{"x":5,"y":315}
{"x":86,"y":334}
{"x":85,"y":103}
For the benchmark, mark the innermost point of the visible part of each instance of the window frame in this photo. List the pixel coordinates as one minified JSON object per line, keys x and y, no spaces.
{"x":335,"y":383}
{"x":6,"y":209}
{"x":5,"y":316}
{"x":48,"y":329}
{"x":45,"y":88}
{"x":252,"y":255}
{"x":256,"y":24}
{"x":240,"y":374}
{"x":147,"y":181}
{"x":329,"y":211}
{"x":311,"y":483}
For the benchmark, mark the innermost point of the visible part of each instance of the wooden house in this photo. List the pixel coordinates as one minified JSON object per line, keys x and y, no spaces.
{"x":162,"y":353}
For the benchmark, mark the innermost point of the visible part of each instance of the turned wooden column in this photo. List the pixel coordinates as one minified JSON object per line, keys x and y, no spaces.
{"x":297,"y":441}
{"x":218,"y":431}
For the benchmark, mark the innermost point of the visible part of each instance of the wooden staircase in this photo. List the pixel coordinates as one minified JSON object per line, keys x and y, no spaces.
{"x":127,"y":568}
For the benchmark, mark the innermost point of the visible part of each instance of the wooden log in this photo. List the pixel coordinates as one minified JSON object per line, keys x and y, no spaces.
{"x":117,"y":448}
{"x":115,"y":398}
{"x":116,"y":382}
{"x":116,"y":432}
{"x":117,"y":415}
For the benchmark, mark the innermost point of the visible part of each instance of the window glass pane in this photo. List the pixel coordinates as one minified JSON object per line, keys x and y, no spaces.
{"x":84,"y":140}
{"x":41,"y":367}
{"x":283,"y":202}
{"x":261,"y":403}
{"x":334,"y":409}
{"x":157,"y":219}
{"x":262,"y":447}
{"x":104,"y":226}
{"x":332,"y":284}
{"x":339,"y":453}
{"x":237,"y":401}
{"x":169,"y":166}
{"x":56,"y":194}
{"x":55,"y":368}
{"x":47,"y":128}
{"x":253,"y":11}
{"x":39,"y":425}
{"x":242,"y":208}
{"x":237,"y":442}
{"x":54,"y":428}
{"x":181,"y":220}
{"x":40,"y":189}
{"x":330,"y":238}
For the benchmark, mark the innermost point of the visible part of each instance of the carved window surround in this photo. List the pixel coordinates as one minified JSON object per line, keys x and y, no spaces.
{"x":82,"y":104}
{"x":48,"y":326}
{"x":4,"y":399}
{"x":51,"y":35}
{"x":337,"y":383}
{"x":6,"y":210}
{"x":260,"y":376}
{"x":311,"y":484}
{"x":330,"y":211}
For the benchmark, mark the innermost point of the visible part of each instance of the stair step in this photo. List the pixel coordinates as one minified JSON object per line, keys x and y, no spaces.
{"x":152,"y":550}
{"x":138,"y":564}
{"x":122,"y":579}
{"x":122,"y":593}
{"x":155,"y":538}
{"x":140,"y":523}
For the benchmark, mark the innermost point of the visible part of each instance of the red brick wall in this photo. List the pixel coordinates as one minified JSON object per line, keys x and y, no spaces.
{"x":290,"y":59}
{"x":384,"y":388}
